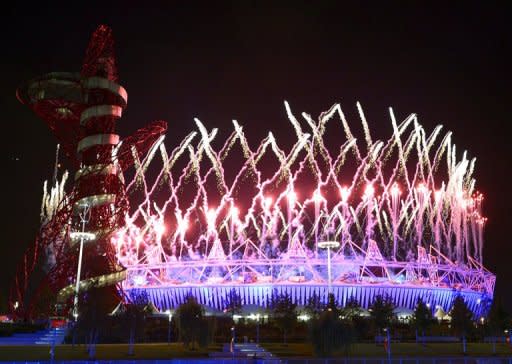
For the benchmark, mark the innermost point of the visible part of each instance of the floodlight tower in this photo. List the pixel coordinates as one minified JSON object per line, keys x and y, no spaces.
{"x":328,"y":245}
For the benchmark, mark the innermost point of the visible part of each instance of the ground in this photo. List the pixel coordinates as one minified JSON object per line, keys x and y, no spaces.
{"x":165,"y":351}
{"x":397,"y":349}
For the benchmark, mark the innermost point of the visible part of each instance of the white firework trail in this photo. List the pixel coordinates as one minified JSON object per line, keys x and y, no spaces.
{"x":312,"y":194}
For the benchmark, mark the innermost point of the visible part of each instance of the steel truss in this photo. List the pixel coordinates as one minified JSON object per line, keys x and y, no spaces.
{"x":432,"y":277}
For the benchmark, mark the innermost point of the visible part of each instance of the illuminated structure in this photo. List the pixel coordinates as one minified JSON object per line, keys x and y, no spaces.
{"x":401,"y":216}
{"x":255,"y":220}
{"x":81,"y":109}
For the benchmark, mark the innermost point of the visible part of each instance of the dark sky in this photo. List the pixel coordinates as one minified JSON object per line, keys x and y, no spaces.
{"x":218,"y":61}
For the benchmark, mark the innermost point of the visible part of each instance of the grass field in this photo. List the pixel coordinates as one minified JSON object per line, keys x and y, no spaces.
{"x":175,"y":350}
{"x":104,"y":351}
{"x":397,"y":350}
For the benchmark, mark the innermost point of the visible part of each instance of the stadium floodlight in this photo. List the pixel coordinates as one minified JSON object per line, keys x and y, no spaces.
{"x":329,"y":245}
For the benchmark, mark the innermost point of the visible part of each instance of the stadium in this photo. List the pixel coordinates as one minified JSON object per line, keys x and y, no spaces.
{"x":307,"y":227}
{"x":321,"y":212}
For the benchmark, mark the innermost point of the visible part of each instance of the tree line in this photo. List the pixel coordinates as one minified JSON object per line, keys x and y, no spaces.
{"x":330,"y":327}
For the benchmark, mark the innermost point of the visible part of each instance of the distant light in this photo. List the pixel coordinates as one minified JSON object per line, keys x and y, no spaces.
{"x":292,"y":197}
{"x":345,"y":193}
{"x":268,"y":201}
{"x":183,"y":225}
{"x":236,"y":318}
{"x":139,"y":280}
{"x":210,"y":216}
{"x":160,"y":227}
{"x":169,"y":313}
{"x":234,"y":212}
{"x":77,"y":235}
{"x":328,"y":244}
{"x":317,"y":196}
{"x":422,"y":188}
{"x":254,"y":316}
{"x":63,"y":111}
{"x":368,"y":192}
{"x":395,"y":190}
{"x":303,"y":317}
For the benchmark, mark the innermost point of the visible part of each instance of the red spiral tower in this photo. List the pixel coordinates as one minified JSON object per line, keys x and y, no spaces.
{"x":82,"y":109}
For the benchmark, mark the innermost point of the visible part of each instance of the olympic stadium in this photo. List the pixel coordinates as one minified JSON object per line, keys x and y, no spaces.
{"x":307,"y":227}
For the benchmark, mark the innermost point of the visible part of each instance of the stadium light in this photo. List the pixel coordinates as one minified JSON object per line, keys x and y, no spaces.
{"x":84,"y":218}
{"x":328,"y":245}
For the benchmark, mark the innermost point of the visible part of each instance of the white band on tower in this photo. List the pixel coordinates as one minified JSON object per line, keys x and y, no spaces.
{"x":100,"y":110}
{"x":105,"y":84}
{"x":97,"y":139}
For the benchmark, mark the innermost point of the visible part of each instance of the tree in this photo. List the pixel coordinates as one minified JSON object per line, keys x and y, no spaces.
{"x":189,"y":318}
{"x":462,"y":319}
{"x":352,"y":309}
{"x":353,"y":312}
{"x":134,"y":318}
{"x":283,"y":312}
{"x":207,"y":331}
{"x":329,"y":333}
{"x":233,"y":303}
{"x":314,"y":306}
{"x":94,"y":307}
{"x":421,"y":318}
{"x":498,"y":321}
{"x":382,"y":311}
{"x":332,"y":305}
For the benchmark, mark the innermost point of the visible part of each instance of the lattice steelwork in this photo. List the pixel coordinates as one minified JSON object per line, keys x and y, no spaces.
{"x":251,"y":219}
{"x":82,"y":109}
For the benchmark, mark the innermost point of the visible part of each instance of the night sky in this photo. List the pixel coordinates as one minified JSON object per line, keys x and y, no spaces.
{"x":220,"y":61}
